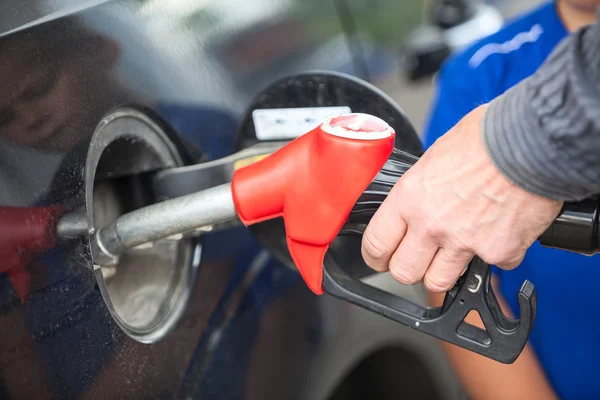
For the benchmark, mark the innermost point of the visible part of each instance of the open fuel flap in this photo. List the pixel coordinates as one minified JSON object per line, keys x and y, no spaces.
{"x":146,"y":289}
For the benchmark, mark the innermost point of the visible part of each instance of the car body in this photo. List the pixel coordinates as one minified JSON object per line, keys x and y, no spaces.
{"x":213,"y":316}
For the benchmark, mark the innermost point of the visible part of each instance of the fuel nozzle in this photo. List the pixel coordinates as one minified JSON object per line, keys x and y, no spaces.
{"x":331,"y":181}
{"x":313,"y":183}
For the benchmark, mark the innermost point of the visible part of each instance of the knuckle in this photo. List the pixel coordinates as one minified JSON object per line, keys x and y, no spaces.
{"x":402,"y":191}
{"x":433,"y":228}
{"x":512,"y":261}
{"x":455,"y":251}
{"x":505,"y":252}
{"x":464,"y":238}
{"x":373,"y":250}
{"x":404,"y":275}
{"x":494,"y":257}
{"x":437,"y":284}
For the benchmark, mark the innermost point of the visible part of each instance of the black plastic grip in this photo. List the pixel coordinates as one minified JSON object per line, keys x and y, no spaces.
{"x":397,"y":164}
{"x":575,"y":228}
{"x":503,"y":338}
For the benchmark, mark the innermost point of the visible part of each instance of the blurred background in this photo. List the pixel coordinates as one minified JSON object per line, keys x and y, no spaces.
{"x":243,"y":46}
{"x":265,"y":39}
{"x":415,"y":96}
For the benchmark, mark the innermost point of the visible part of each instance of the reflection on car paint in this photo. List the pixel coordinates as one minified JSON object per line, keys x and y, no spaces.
{"x":59,"y":79}
{"x":252,"y":329}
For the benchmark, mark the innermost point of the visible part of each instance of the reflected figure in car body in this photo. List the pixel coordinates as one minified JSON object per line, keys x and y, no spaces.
{"x":38,"y":106}
{"x":562,"y":354}
{"x":45,"y":86}
{"x":54,"y":93}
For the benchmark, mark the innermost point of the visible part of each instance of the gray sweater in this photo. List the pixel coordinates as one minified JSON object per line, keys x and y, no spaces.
{"x":544,"y":133}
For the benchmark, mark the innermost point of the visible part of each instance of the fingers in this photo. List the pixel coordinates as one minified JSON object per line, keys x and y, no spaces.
{"x":505,"y":256}
{"x":445,"y":269}
{"x":383,"y":235}
{"x":409,"y":263}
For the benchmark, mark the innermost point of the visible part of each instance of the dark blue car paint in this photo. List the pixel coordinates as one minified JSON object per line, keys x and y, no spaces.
{"x":64,"y":343}
{"x":252,"y":329}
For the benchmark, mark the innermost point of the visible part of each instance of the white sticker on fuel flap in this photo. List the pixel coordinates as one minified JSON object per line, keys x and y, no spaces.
{"x":290,"y":123}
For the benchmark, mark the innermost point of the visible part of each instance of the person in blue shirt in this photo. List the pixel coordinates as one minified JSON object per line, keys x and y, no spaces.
{"x":563,"y":355}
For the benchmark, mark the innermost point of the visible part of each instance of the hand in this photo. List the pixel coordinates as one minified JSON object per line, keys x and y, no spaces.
{"x":451,"y":205}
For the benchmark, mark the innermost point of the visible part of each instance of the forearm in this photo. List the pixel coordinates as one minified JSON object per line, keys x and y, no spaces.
{"x":485,"y":379}
{"x":544,"y":134}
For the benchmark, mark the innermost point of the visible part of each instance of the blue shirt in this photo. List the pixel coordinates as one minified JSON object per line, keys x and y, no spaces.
{"x":566,"y":334}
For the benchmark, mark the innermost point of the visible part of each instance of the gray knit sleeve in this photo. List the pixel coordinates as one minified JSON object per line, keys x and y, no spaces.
{"x":544,"y":133}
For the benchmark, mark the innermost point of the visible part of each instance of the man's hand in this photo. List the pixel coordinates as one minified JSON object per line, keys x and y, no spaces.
{"x":451,"y":205}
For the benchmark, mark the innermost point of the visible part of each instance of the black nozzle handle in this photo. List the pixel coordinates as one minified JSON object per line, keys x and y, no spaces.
{"x":503,"y":338}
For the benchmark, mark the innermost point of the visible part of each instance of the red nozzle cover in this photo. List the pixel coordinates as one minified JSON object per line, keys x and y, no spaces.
{"x":24,"y":234}
{"x":314,"y":182}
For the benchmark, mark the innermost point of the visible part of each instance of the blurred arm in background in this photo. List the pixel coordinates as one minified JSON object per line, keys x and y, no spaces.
{"x":485,"y":379}
{"x":481,"y":377}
